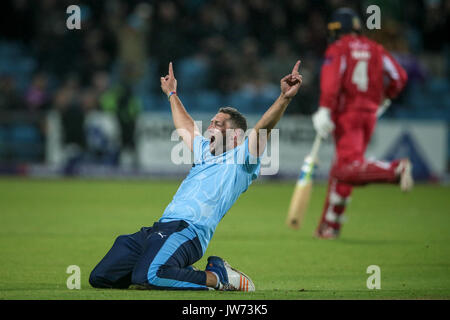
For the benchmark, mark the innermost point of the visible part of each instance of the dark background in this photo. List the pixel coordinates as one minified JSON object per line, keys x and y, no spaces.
{"x":224,"y":53}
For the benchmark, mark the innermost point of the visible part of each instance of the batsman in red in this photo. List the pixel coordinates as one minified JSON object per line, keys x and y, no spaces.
{"x":357,"y":77}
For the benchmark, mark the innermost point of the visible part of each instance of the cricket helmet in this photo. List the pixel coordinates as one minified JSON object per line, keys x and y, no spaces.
{"x":343,"y":20}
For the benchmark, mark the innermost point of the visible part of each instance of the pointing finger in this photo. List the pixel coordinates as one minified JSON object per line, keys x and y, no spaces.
{"x":295,"y":69}
{"x":170,"y":69}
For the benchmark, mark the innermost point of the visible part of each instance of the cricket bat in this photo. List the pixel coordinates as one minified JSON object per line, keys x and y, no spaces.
{"x":303,"y":187}
{"x":384,"y":106}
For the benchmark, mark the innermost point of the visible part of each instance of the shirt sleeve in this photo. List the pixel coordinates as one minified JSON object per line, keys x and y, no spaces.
{"x":396,"y":74}
{"x":200,"y":147}
{"x":252,"y":164}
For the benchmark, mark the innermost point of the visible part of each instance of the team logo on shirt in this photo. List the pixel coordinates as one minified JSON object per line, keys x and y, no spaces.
{"x":328,"y":60}
{"x":161,"y":235}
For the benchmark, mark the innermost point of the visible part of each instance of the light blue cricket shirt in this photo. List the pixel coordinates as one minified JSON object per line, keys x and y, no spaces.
{"x":212,"y":186}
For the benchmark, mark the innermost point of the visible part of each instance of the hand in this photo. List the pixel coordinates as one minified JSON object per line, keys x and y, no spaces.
{"x":291,"y":83}
{"x":169,"y":83}
{"x":322,"y":122}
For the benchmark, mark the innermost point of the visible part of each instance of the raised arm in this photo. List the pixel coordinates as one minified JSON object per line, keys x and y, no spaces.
{"x":185,"y":125}
{"x":289,"y":87}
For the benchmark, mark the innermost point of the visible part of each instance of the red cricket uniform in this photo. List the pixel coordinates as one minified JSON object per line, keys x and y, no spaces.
{"x":356,"y":76}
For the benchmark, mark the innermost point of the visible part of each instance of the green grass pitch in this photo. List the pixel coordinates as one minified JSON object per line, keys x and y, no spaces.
{"x":47,"y":225}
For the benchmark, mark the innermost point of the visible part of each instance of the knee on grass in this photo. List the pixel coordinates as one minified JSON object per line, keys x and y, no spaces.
{"x":97,"y":281}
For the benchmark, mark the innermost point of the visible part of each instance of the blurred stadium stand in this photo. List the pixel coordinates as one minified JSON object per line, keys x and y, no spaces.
{"x":224,"y":53}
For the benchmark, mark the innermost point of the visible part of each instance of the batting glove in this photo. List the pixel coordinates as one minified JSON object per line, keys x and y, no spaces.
{"x":322,"y":122}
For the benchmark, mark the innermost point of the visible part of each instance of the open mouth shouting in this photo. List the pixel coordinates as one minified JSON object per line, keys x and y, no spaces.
{"x":212,"y":144}
{"x":216,"y":142}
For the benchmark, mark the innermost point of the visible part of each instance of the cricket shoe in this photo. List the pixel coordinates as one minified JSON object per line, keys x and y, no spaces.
{"x":324,"y":231}
{"x":230,"y":279}
{"x":404,"y":169}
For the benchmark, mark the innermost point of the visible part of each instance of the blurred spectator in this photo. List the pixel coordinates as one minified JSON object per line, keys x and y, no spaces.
{"x":96,"y":53}
{"x":393,"y":37}
{"x":434,"y":25}
{"x":317,"y":32}
{"x":89,"y":100}
{"x":101,"y":131}
{"x":10,"y":99}
{"x":238,"y":26}
{"x":21,"y":13}
{"x":119,"y":34}
{"x":120,"y":101}
{"x":167,"y":39}
{"x":249,"y":61}
{"x":260,"y":17}
{"x":100,"y":82}
{"x":132,"y":39}
{"x":225,"y":70}
{"x":72,"y":116}
{"x":37,"y":96}
{"x":282,"y":59}
{"x":234,"y":49}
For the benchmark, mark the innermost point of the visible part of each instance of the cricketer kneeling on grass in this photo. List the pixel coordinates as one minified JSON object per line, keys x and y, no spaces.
{"x":225,"y":164}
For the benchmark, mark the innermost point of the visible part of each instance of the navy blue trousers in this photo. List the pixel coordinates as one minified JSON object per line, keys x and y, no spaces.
{"x":157,"y":257}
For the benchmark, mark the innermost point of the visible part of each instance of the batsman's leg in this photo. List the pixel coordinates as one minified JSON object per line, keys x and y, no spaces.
{"x":338,"y":197}
{"x":352,"y":135}
{"x":365,"y":172}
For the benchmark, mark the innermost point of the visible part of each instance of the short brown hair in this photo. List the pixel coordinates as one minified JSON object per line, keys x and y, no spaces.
{"x":236,"y":117}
